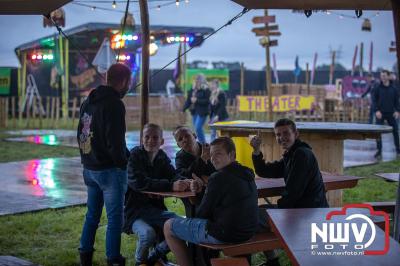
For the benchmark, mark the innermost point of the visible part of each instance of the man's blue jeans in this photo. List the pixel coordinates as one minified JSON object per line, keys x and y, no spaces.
{"x":104,"y":187}
{"x":144,"y":228}
{"x":198,"y":123}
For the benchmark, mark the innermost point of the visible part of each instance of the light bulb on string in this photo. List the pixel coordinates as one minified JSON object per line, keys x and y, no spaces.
{"x":114,"y":4}
{"x":186,"y":1}
{"x":158,"y":8}
{"x":177,"y":2}
{"x":93,"y":8}
{"x":308,"y":13}
{"x":358,"y":13}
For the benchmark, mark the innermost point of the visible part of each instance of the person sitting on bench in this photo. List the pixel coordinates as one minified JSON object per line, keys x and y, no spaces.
{"x":304,"y":187}
{"x":228,"y":212}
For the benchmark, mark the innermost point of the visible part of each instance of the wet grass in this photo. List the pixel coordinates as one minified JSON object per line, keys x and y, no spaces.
{"x":20,"y":151}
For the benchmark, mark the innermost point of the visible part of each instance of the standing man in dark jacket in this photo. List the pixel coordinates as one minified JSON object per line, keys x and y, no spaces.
{"x":387,"y":107}
{"x":228,"y":212}
{"x":101,"y":139}
{"x":304,"y":186}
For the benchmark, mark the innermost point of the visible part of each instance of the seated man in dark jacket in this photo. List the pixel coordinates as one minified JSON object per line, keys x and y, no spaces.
{"x":192,"y":158}
{"x":228,"y":212}
{"x":150,"y":169}
{"x":299,"y":168}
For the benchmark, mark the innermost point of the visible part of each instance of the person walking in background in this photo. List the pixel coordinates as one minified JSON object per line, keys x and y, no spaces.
{"x":372,"y":83}
{"x":218,"y":106}
{"x":198,"y":102}
{"x":387,"y":107}
{"x":101,"y":139}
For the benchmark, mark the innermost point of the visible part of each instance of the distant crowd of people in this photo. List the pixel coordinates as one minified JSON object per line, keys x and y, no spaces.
{"x":206,"y":100}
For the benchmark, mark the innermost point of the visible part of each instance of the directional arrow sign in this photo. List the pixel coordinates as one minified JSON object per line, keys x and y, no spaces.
{"x":267,"y":42}
{"x":264,"y":19}
{"x":265,"y":32}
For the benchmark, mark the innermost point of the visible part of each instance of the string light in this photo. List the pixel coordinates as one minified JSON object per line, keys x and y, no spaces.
{"x":186,"y":1}
{"x":308,"y":13}
{"x":158,"y":8}
{"x":358,"y":13}
{"x":114,"y":4}
{"x":93,"y":8}
{"x":177,"y":2}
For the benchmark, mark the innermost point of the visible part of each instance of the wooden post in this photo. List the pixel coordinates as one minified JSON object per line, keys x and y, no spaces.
{"x":268,"y":75}
{"x":144,"y":18}
{"x":74,"y":104}
{"x":241,"y":78}
{"x":65,"y":93}
{"x":39,"y":104}
{"x":6,"y":99}
{"x":396,"y":20}
{"x":57,"y":110}
{"x":47,"y":110}
{"x":361,"y":58}
{"x":13,"y":111}
{"x":34,"y":110}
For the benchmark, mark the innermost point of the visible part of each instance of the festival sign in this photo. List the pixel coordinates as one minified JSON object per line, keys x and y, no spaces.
{"x":221,"y":74}
{"x":354,"y":87}
{"x":5,"y":81}
{"x":283,"y":103}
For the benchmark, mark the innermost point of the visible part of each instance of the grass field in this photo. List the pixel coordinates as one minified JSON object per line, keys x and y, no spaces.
{"x":51,"y":237}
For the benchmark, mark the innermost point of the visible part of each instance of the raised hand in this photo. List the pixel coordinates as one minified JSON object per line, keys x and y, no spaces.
{"x":205,"y":152}
{"x":255,"y":143}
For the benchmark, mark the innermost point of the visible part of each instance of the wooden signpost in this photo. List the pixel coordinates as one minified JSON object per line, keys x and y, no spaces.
{"x":266,"y":42}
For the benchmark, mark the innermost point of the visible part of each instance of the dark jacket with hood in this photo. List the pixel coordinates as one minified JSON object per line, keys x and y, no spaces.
{"x":230,"y":204}
{"x":144,"y":175}
{"x":299,"y":168}
{"x":101,"y":130}
{"x":202,"y":105}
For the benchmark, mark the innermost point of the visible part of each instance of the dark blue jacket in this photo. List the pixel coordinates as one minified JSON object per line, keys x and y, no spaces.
{"x":386,"y":99}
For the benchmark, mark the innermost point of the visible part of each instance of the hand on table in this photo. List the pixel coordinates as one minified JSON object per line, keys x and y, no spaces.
{"x":180,"y":185}
{"x":196,"y":184}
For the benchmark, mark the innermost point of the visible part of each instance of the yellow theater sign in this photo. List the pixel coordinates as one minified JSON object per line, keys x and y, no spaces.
{"x":282,"y":103}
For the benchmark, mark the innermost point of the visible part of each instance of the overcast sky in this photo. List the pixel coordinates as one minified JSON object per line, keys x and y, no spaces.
{"x":300,"y":35}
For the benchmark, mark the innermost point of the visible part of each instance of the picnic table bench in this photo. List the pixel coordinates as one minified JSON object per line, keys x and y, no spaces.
{"x":293,"y":228}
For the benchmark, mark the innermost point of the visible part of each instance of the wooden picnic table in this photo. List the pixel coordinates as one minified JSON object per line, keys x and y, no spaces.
{"x":325,"y":138}
{"x":393,"y":177}
{"x":270,"y":187}
{"x":293,"y":228}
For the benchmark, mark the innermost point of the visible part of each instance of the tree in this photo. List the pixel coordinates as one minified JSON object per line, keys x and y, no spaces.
{"x":326,"y":67}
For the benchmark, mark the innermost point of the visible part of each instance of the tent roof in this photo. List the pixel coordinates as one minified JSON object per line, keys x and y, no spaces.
{"x":317,"y":4}
{"x":81,"y":33}
{"x":30,"y":7}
